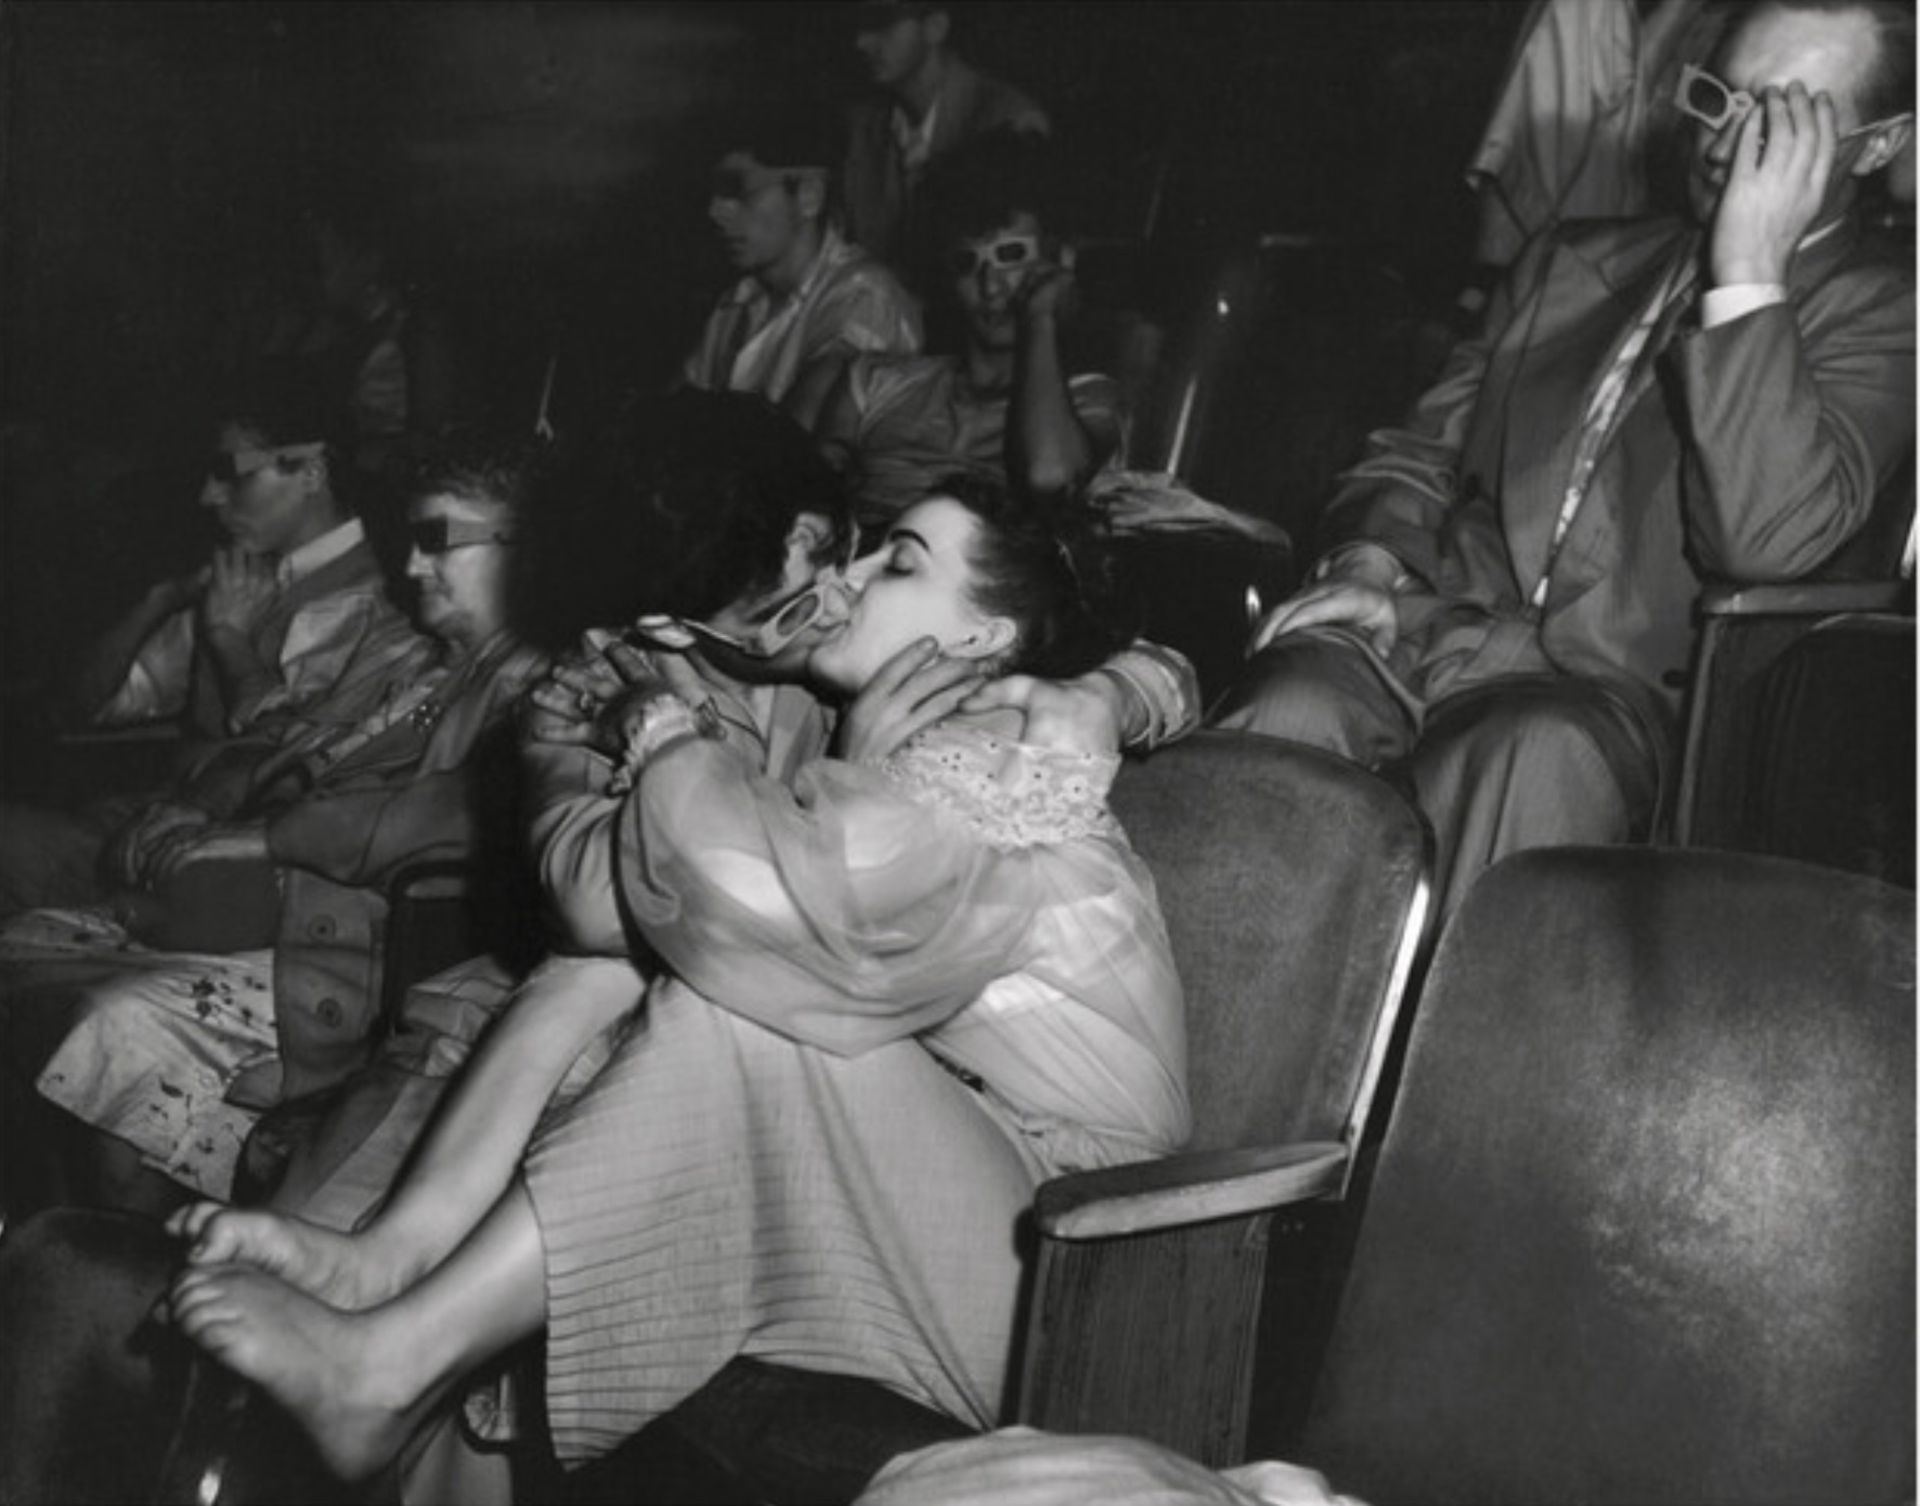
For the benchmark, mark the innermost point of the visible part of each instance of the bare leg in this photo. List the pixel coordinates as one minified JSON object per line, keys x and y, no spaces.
{"x":465,"y":1162}
{"x":360,"y":1383}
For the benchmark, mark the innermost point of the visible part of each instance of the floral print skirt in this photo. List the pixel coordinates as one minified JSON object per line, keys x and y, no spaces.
{"x":148,"y":1043}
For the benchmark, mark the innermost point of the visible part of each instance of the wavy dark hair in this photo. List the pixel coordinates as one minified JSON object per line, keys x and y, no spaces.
{"x":480,"y":465}
{"x":1050,"y":569}
{"x":682,"y":505}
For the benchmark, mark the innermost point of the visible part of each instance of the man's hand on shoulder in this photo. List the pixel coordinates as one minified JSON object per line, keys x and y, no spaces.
{"x":589,"y":697}
{"x":1068,"y":716}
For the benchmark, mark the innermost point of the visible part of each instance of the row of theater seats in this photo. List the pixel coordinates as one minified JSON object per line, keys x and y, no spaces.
{"x":1612,"y":1200}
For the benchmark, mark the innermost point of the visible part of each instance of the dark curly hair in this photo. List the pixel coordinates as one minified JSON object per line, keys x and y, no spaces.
{"x":681,"y":505}
{"x":291,"y":400}
{"x":479,"y":465}
{"x":1050,"y":569}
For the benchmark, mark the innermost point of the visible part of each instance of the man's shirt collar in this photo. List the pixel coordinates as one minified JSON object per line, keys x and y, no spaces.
{"x":317,"y":553}
{"x":833,"y":249}
{"x":915,"y":141}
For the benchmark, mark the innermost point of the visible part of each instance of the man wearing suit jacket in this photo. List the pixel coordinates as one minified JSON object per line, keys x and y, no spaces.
{"x":1505,"y":598}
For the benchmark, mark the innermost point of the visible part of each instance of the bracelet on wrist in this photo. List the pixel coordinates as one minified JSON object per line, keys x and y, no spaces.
{"x":664,"y":720}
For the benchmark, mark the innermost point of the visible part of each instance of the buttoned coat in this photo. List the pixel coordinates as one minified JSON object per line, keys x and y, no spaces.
{"x":423,"y":789}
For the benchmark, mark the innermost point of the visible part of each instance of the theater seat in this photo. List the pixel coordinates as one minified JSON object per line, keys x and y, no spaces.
{"x":1295,"y":888}
{"x":1800,"y":731}
{"x":1643,"y":1224}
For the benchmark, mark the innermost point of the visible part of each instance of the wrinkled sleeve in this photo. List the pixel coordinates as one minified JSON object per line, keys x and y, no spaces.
{"x":363,"y":828}
{"x":571,"y":829}
{"x":842,"y":912}
{"x":1164,"y":689}
{"x":360,"y":836}
{"x":1797,"y":414}
{"x":871,"y":315}
{"x":156,"y":682}
{"x":1402,"y":492}
{"x":1102,"y":412}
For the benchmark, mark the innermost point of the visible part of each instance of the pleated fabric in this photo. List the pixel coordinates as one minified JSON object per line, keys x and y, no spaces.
{"x":851,"y":1215}
{"x":903,"y":998}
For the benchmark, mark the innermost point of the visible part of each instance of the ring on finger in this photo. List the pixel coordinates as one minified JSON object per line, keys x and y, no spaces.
{"x":588,"y":702}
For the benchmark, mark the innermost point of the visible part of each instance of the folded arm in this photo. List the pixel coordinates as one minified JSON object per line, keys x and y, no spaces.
{"x":841,"y":912}
{"x":1796,"y":415}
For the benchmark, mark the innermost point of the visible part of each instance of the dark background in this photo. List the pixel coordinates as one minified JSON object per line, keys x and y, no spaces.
{"x":539,"y":171}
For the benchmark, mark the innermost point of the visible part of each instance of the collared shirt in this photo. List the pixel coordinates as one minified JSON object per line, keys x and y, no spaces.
{"x":317,"y":553}
{"x":845,"y":305}
{"x":915,"y":142}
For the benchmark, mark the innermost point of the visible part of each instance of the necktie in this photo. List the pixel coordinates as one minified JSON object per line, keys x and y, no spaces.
{"x":1643,"y":344}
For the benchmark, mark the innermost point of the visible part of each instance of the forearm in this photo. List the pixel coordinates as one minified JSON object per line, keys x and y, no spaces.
{"x":106,"y":667}
{"x":245,"y":678}
{"x":475,"y":1142}
{"x":1403,"y":491}
{"x":574,"y":850}
{"x":222,"y":782}
{"x":1400,"y":495}
{"x":357,"y":838}
{"x":570,"y":835}
{"x":1154,"y":692}
{"x":1793,"y":431}
{"x":841,"y":912}
{"x":1049,"y":451}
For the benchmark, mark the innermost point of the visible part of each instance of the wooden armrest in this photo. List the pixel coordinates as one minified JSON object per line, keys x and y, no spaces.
{"x":137,"y":735}
{"x":1802,"y":598}
{"x":1186,"y":1189}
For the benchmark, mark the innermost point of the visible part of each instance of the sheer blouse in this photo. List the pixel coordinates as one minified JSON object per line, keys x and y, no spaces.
{"x":973,"y":893}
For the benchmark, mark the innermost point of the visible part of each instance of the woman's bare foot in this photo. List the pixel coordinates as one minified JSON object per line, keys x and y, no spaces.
{"x":344,"y":1377}
{"x":342,"y":1270}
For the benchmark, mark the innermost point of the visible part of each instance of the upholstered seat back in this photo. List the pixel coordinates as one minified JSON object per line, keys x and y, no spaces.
{"x":1831,"y":779}
{"x":1286,"y":877}
{"x":1643,"y":1224}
